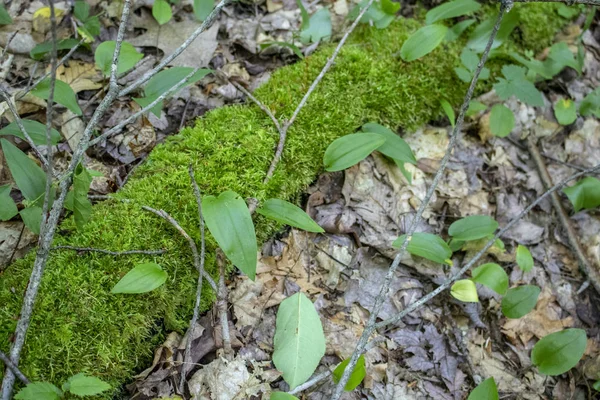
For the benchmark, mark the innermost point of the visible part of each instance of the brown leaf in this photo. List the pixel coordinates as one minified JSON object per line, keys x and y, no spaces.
{"x":80,"y":76}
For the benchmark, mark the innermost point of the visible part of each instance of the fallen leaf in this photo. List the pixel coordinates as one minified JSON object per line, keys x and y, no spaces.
{"x":80,"y":76}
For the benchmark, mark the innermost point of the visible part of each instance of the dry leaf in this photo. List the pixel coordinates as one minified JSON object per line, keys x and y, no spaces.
{"x":80,"y":76}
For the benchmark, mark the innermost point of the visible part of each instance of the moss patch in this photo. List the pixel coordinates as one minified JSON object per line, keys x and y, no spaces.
{"x":78,"y":326}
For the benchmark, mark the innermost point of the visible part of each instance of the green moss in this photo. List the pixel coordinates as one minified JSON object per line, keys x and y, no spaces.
{"x":78,"y":326}
{"x":538,"y":25}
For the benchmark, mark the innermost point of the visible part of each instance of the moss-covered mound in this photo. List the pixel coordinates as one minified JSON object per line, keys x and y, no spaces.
{"x":78,"y":326}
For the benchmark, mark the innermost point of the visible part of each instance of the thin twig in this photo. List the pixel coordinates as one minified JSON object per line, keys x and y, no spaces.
{"x":188,"y":345}
{"x":391,"y":271}
{"x":286,"y":126}
{"x":112,"y":253}
{"x":197,"y":265}
{"x":165,"y":61}
{"x":8,"y":42}
{"x":260,"y":105}
{"x":19,"y":122}
{"x":549,"y":157}
{"x":45,"y":240}
{"x":15,"y":370}
{"x":413,"y":306}
{"x":222,"y":306}
{"x":589,"y":271}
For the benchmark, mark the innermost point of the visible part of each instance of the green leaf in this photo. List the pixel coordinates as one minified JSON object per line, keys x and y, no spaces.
{"x":92,"y":26}
{"x":161,"y":11}
{"x":493,"y":276}
{"x":282,"y":396}
{"x":318,"y":28}
{"x":423,"y":42}
{"x":38,"y":52}
{"x":520,"y":300}
{"x":427,"y":245}
{"x":465,"y":290}
{"x":141,"y":279}
{"x":81,"y":10}
{"x":451,"y":9}
{"x":303,"y":14}
{"x":28,"y":176}
{"x":8,"y":208}
{"x":356,"y":377}
{"x":394,"y":146}
{"x":36,"y":131}
{"x":562,"y":57}
{"x":585,"y":194}
{"x":128,"y":57}
{"x":558,"y":352}
{"x":77,"y":199}
{"x":203,"y":8}
{"x":290,"y":46}
{"x":165,"y":80}
{"x":299,"y":342}
{"x":82,"y":385}
{"x":63,"y":94}
{"x":567,"y":11}
{"x":565,"y":111}
{"x":473,"y":227}
{"x":463,"y":74}
{"x":456,"y":245}
{"x":447,"y":107}
{"x":524,"y":258}
{"x":469,"y":59}
{"x":502,"y":120}
{"x":389,"y":7}
{"x":590,"y":105}
{"x":32,"y":218}
{"x":39,"y":391}
{"x":516,"y":84}
{"x":596,"y":385}
{"x":475,"y":107}
{"x":350,"y":149}
{"x":288,"y":213}
{"x":230,"y":223}
{"x":5,"y":18}
{"x":486,"y":390}
{"x":481,"y":34}
{"x":455,"y":31}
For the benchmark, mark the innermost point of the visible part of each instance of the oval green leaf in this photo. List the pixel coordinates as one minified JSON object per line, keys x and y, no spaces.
{"x":465,"y":290}
{"x":161,"y":11}
{"x":28,"y":176}
{"x":128,"y":57}
{"x":520,"y":300}
{"x":473,"y":227}
{"x":32,"y":218}
{"x":357,"y":375}
{"x":141,"y":279}
{"x":493,"y":276}
{"x":427,"y":245}
{"x":82,"y":385}
{"x":565,"y":111}
{"x":289,"y":214}
{"x":39,"y":391}
{"x":524,"y":258}
{"x":449,"y":111}
{"x":282,"y":396}
{"x":558,"y":352}
{"x":38,"y":52}
{"x":35,"y":130}
{"x":394,"y":147}
{"x":299,"y":342}
{"x":502,"y":120}
{"x":350,"y":149}
{"x":451,"y":9}
{"x":8,"y":208}
{"x":203,"y":8}
{"x":486,"y":390}
{"x":585,"y":194}
{"x":229,"y":221}
{"x":63,"y":94}
{"x":423,"y":42}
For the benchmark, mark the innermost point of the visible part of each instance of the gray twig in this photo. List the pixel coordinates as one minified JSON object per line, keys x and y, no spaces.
{"x":15,"y":370}
{"x":197,"y":264}
{"x":51,"y":222}
{"x":286,"y":126}
{"x":413,"y":306}
{"x":584,"y":264}
{"x":188,"y":345}
{"x":391,"y":271}
{"x":257,"y":102}
{"x":222,"y":305}
{"x":112,"y":253}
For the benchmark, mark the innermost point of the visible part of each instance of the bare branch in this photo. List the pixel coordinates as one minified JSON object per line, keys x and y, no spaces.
{"x":165,"y":61}
{"x":112,"y":253}
{"x":585,"y":265}
{"x":257,"y":102}
{"x":413,"y":306}
{"x":163,"y":214}
{"x":15,"y":370}
{"x":222,"y":306}
{"x":188,"y":345}
{"x":391,"y":271}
